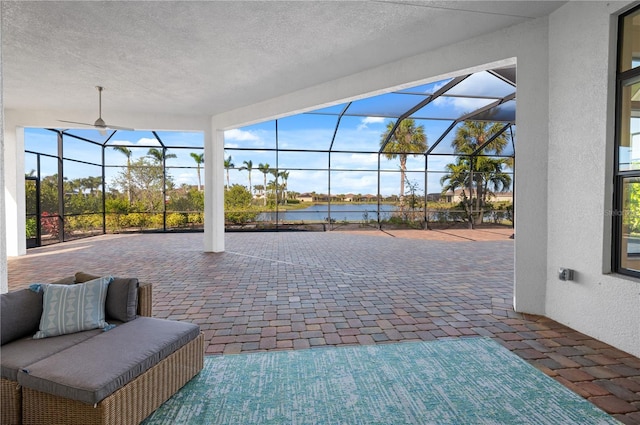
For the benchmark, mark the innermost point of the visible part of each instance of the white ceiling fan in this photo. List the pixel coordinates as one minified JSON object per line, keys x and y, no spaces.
{"x":99,"y":123}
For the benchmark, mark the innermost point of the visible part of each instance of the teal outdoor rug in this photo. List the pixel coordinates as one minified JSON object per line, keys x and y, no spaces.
{"x":456,"y":381}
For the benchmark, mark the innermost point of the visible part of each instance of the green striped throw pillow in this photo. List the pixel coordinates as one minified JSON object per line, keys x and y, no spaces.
{"x":73,"y":308}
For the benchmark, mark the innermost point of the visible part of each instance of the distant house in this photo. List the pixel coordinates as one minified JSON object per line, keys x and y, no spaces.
{"x":323,"y":197}
{"x":457,"y":196}
{"x":436,"y":197}
{"x":305,"y":197}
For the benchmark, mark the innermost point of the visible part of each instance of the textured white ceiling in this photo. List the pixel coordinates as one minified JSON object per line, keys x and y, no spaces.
{"x":210,"y":57}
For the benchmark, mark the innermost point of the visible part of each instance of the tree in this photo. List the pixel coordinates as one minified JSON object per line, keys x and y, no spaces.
{"x":199,"y":159}
{"x":237,"y":205}
{"x":472,"y":135}
{"x":248,"y":165}
{"x":160,"y":155}
{"x":273,"y":184}
{"x":480,"y":175}
{"x":186,"y":199}
{"x":92,"y":184}
{"x":259,"y":188}
{"x":49,"y":193}
{"x":264,"y":169}
{"x":284,"y":175}
{"x":145,"y":180}
{"x":127,"y":152}
{"x":407,"y":139}
{"x":227,"y":165}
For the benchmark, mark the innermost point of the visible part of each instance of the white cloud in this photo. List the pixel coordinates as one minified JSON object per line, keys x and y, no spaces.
{"x":121,"y":143}
{"x":240,"y":135}
{"x":370,"y":120}
{"x":185,"y":178}
{"x":146,"y":141}
{"x":439,"y":85}
{"x":461,"y":104}
{"x":143,"y":141}
{"x":354,"y":161}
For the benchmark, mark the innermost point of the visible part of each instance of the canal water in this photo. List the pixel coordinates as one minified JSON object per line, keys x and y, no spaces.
{"x":339,"y":212}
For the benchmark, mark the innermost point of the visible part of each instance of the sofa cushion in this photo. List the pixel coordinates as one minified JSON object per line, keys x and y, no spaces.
{"x":25,"y":351}
{"x":82,"y":277}
{"x":20,"y":313}
{"x":73,"y":308}
{"x":122,"y":297}
{"x":91,"y":371}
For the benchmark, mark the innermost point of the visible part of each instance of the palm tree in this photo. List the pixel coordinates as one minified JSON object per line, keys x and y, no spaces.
{"x":491,"y":176}
{"x":406,"y":139}
{"x":159,"y":155}
{"x":264,"y":169}
{"x":274,"y":183}
{"x":248,"y":165}
{"x":199,"y":159}
{"x":92,"y":183}
{"x":272,"y":186}
{"x":477,"y":172}
{"x":456,"y":177}
{"x":127,"y":152}
{"x":259,"y":188}
{"x":472,"y":135}
{"x":284,"y":175}
{"x":227,"y":165}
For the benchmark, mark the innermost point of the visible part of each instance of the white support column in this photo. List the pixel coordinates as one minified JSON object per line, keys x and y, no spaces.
{"x":214,"y":191}
{"x":14,"y":196}
{"x":531,"y":169}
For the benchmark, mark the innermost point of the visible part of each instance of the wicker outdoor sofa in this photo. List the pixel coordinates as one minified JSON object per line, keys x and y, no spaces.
{"x":115,"y":377}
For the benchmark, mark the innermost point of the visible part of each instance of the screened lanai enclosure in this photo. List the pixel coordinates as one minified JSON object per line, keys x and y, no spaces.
{"x":440,"y":154}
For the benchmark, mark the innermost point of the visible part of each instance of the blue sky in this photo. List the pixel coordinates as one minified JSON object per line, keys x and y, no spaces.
{"x":359,"y":132}
{"x":355,"y":134}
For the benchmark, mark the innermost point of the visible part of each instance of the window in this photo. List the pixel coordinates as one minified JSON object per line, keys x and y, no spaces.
{"x":627,"y":171}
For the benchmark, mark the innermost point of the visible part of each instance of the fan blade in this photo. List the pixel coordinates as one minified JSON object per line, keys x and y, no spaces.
{"x":75,"y":122}
{"x":100,"y":124}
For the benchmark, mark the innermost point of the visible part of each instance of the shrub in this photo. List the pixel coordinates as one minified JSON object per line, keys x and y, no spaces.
{"x":140,"y":220}
{"x":176,"y":220}
{"x":117,"y":205}
{"x":195,"y":218}
{"x":155,"y":221}
{"x":237,"y":205}
{"x":32,"y":228}
{"x":50,"y":224}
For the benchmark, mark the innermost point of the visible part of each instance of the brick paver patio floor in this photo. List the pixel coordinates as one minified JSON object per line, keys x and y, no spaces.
{"x":295,"y":290}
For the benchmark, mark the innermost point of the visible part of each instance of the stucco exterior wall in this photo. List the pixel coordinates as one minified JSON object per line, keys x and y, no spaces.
{"x":582,"y":49}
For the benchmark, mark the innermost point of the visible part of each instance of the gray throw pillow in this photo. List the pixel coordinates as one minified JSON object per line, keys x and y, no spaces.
{"x":70,"y":280}
{"x":122,"y":297}
{"x":20,"y":313}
